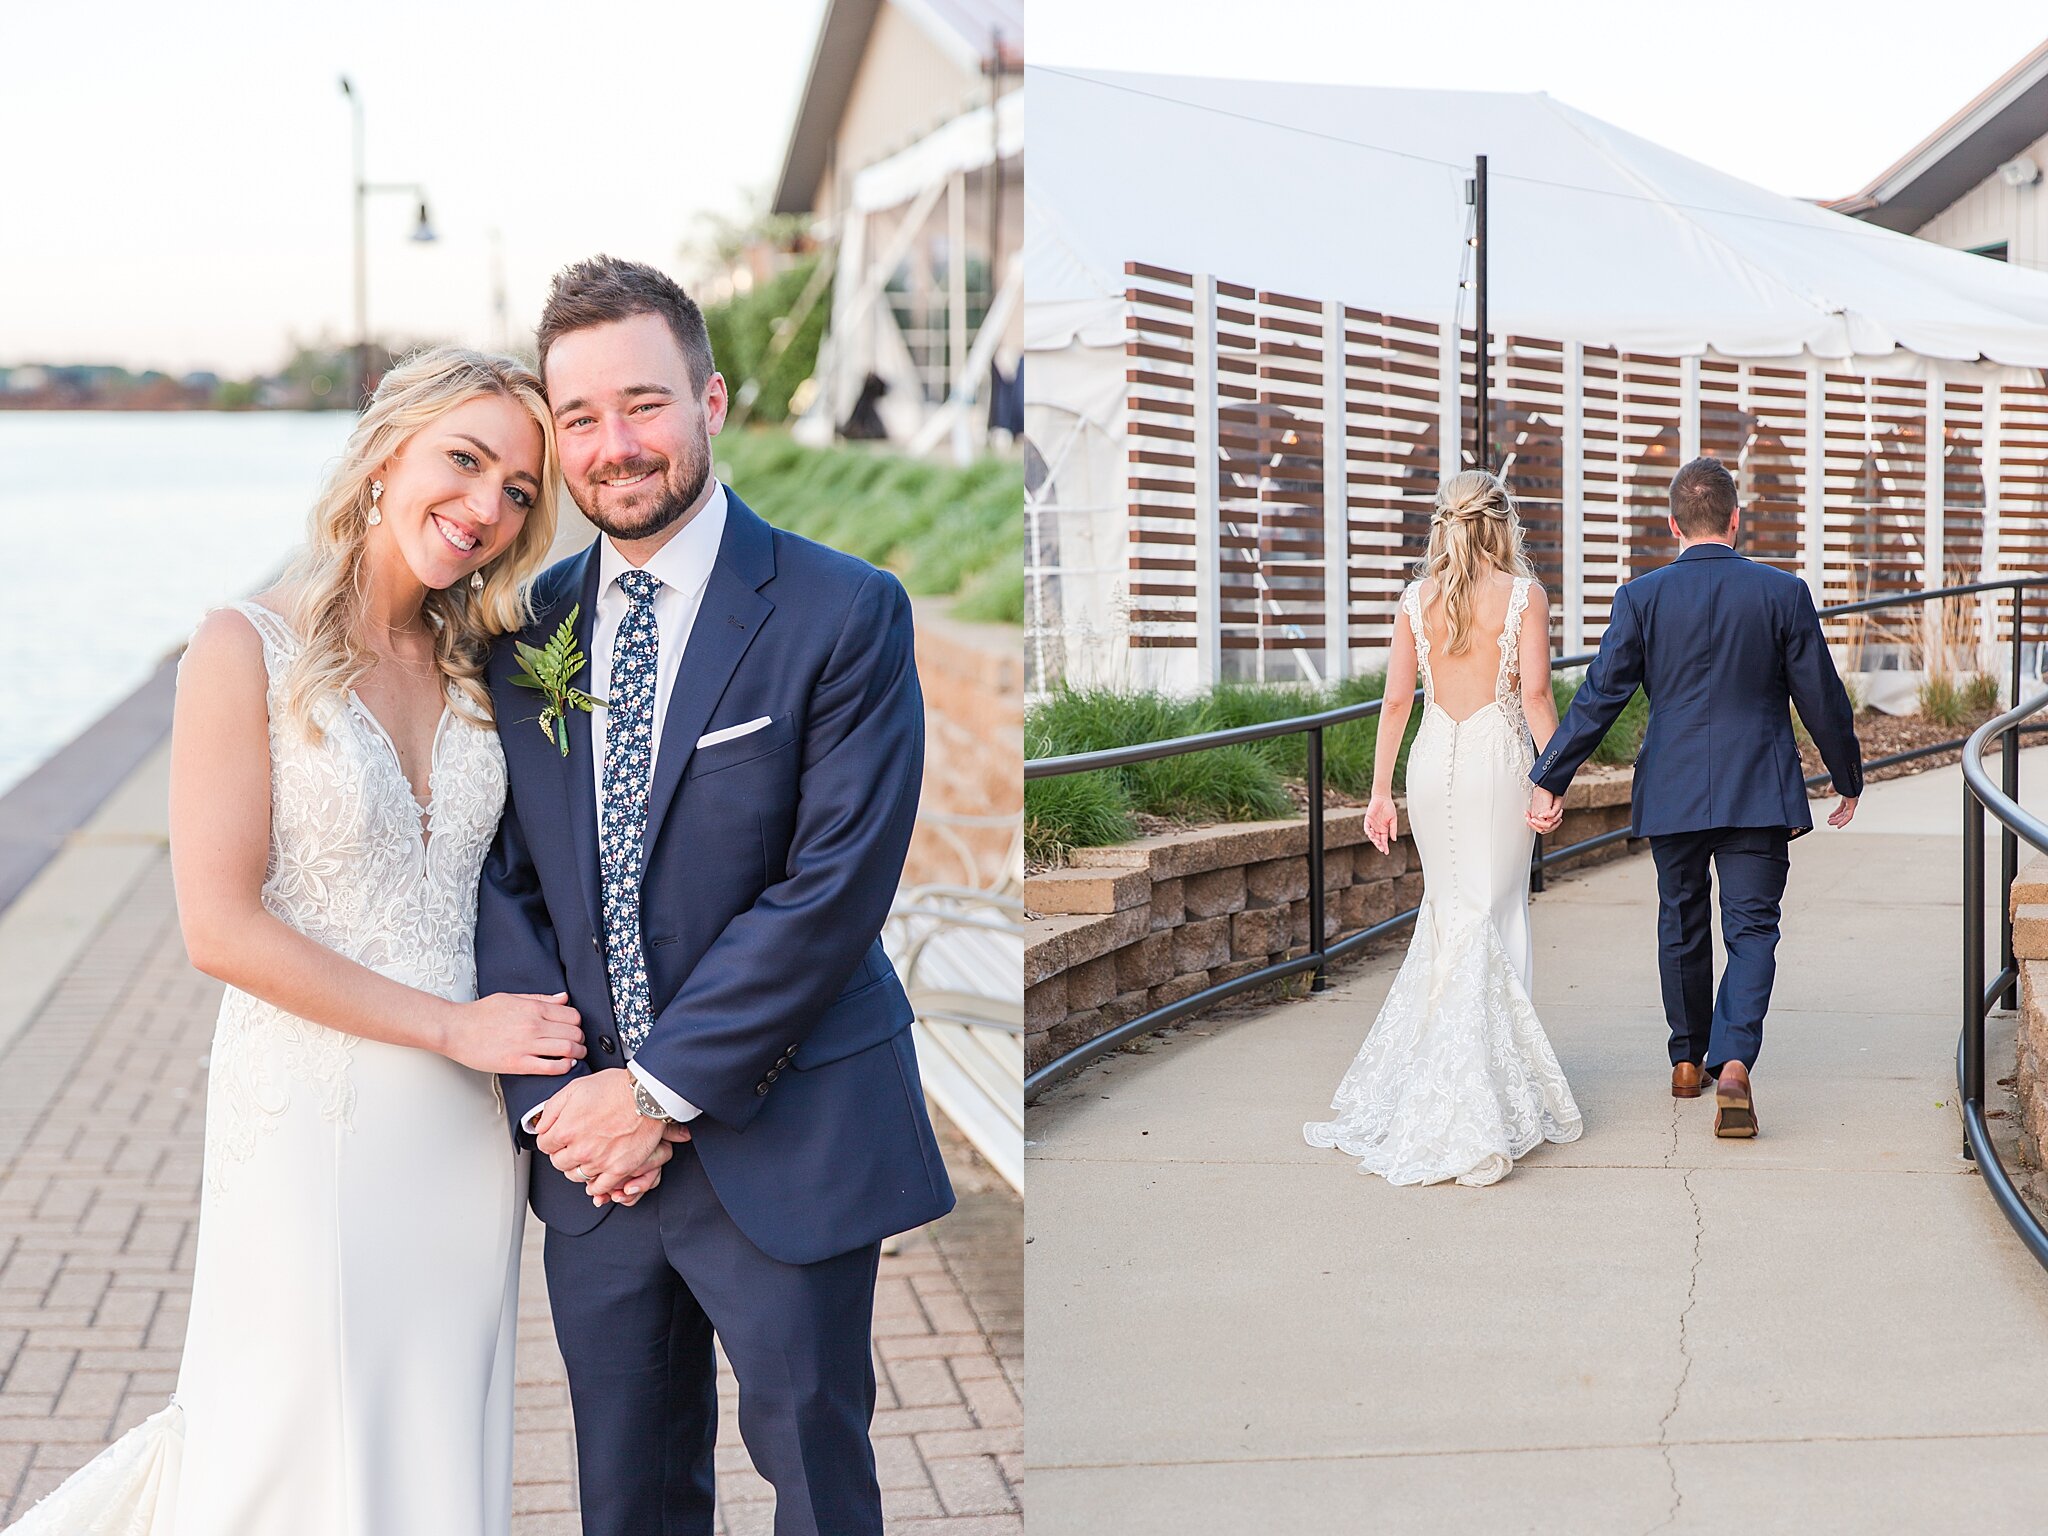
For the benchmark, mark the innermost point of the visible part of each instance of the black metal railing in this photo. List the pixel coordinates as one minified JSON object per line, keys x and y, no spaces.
{"x":2002,"y":801}
{"x":1321,"y":951}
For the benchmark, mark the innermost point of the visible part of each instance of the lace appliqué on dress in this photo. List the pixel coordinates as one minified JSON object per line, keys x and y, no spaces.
{"x":1457,"y":1079}
{"x":1507,"y":686}
{"x":350,"y":868}
{"x":129,"y":1489}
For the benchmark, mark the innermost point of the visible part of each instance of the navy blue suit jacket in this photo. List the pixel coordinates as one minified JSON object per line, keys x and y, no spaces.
{"x":1723,"y":647}
{"x":770,"y":861}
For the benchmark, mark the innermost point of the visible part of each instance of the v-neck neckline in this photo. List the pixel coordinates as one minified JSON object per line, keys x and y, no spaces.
{"x":424,"y":807}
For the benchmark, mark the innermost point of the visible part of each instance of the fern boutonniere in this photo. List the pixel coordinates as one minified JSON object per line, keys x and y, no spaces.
{"x":551,"y":669}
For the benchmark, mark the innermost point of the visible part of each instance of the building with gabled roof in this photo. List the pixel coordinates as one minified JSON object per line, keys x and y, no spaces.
{"x":907,"y":151}
{"x":1975,"y":183}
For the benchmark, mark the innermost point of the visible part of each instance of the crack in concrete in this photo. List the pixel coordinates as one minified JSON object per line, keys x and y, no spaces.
{"x":1692,"y":1282}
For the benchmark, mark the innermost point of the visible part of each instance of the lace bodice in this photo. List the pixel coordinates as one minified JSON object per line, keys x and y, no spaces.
{"x":349,"y":864}
{"x":1507,"y":682}
{"x":353,"y":868}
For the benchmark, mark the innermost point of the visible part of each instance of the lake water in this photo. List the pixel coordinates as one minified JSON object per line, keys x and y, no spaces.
{"x":118,"y":531}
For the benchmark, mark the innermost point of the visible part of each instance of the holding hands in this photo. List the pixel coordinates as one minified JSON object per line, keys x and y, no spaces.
{"x":1546,"y":811}
{"x":592,"y":1131}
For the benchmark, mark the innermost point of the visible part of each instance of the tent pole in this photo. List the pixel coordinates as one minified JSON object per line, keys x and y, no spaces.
{"x":1574,"y":508}
{"x":1689,"y":434}
{"x":1482,"y":446}
{"x":1813,"y":504}
{"x":1336,"y":500}
{"x":1993,"y":461}
{"x":1208,"y":484}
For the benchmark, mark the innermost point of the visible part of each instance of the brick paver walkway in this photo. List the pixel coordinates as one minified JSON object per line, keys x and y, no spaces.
{"x":102,"y":1113}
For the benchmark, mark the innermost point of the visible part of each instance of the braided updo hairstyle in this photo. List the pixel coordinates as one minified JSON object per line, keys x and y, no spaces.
{"x":1473,"y":527}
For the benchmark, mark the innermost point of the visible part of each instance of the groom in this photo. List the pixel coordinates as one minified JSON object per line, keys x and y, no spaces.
{"x":1724,"y":648}
{"x":705,"y":873}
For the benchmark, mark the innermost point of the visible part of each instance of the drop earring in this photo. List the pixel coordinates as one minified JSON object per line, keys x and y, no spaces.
{"x":376,"y":490}
{"x":476,"y":581}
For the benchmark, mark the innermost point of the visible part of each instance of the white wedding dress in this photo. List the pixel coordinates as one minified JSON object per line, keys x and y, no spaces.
{"x":348,"y":1366}
{"x":1457,"y":1079}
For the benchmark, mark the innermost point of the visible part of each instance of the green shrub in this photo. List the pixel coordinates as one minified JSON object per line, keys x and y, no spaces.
{"x":1941,"y":700}
{"x":1228,"y":783}
{"x":1080,"y":810}
{"x":1982,"y":695}
{"x":1240,"y":783}
{"x":1225,"y":783}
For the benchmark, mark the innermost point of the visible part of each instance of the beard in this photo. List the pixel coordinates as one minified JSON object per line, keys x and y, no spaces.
{"x":648,"y":510}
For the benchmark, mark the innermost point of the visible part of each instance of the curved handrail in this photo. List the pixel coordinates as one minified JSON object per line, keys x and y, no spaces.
{"x":2002,"y":801}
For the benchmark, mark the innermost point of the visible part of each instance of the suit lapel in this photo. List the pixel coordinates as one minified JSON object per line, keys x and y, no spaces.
{"x":579,"y":772}
{"x":730,"y":616}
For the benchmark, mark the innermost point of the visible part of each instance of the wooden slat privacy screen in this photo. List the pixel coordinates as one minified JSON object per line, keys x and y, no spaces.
{"x":1294,"y":483}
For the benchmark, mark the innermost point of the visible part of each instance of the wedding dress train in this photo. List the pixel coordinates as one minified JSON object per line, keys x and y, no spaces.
{"x":348,"y":1364}
{"x":1456,"y":1079}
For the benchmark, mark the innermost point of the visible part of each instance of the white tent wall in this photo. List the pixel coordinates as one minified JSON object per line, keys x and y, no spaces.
{"x":1145,"y":573}
{"x":904,"y":217}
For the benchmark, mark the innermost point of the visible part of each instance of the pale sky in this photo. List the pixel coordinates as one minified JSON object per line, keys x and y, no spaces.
{"x":175,"y":181}
{"x":1807,"y":98}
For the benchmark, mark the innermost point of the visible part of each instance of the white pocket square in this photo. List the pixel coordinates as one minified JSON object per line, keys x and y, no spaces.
{"x":732,"y":732}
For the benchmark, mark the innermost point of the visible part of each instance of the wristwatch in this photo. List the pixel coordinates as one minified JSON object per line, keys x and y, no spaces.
{"x":648,"y":1105}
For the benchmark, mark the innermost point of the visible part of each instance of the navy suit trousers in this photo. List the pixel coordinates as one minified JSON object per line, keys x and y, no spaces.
{"x":637,"y":1299}
{"x":1709,"y":1028}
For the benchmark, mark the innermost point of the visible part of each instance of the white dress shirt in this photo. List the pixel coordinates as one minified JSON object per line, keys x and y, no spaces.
{"x":683,"y":567}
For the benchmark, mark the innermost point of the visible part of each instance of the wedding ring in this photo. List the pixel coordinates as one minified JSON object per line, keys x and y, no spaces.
{"x":579,"y":1174}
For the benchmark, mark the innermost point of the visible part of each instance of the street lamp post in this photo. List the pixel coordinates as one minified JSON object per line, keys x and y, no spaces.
{"x":423,"y":232}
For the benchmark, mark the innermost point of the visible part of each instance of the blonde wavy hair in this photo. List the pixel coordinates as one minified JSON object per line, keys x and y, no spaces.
{"x":1473,"y":526}
{"x":328,"y":577}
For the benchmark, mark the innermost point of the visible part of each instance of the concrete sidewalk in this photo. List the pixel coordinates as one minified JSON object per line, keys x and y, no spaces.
{"x":1828,"y":1329}
{"x":104,"y":1030}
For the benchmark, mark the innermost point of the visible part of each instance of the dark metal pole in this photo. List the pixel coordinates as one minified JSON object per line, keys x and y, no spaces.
{"x":2009,"y":840}
{"x":362,"y":347}
{"x":1482,"y":444}
{"x":1973,"y":954}
{"x":1317,"y":942}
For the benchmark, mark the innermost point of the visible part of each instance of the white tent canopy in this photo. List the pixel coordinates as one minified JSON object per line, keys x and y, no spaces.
{"x":1344,"y":195}
{"x":1596,"y":235}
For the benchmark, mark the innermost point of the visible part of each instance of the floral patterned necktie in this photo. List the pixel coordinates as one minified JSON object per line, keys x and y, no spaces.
{"x":628,"y":764}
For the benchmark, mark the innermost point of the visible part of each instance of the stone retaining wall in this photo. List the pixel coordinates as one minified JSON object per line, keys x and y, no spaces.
{"x":973,"y":681}
{"x":1126,"y":929}
{"x":2030,"y":948}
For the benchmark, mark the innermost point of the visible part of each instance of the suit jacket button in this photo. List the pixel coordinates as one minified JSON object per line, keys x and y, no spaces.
{"x":604,"y":1043}
{"x":595,"y":944}
{"x":760,"y":1088}
{"x":774,"y":1073}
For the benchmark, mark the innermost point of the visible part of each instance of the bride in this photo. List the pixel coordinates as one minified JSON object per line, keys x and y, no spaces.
{"x":1456,"y":1079}
{"x":335,"y":783}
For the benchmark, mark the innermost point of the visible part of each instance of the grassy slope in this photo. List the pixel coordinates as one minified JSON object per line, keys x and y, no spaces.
{"x":945,"y":531}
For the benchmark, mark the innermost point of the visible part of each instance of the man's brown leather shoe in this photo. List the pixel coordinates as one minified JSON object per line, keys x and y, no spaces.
{"x":1734,"y":1110}
{"x":1686,"y":1079}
